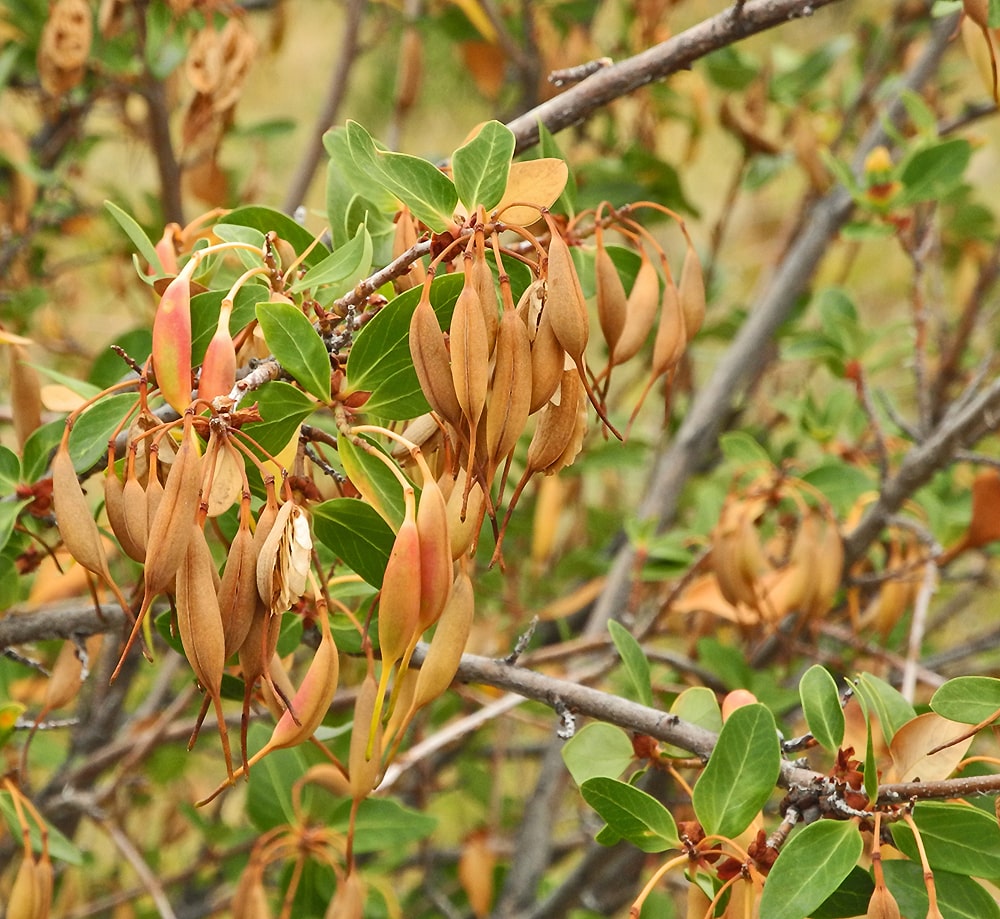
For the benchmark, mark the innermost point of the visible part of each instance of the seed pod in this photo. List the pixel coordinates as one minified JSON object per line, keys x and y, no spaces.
{"x":882,"y":904}
{"x":433,"y":363}
{"x":22,"y":903}
{"x":565,"y":302}
{"x":250,"y":899}
{"x":364,"y":760}
{"x":510,"y":395}
{"x":548,"y":359}
{"x":404,"y":238}
{"x":435,"y":553}
{"x":25,"y":394}
{"x":170,"y":529}
{"x":399,"y":601}
{"x":978,"y":11}
{"x":447,"y":644}
{"x":575,"y":442}
{"x":114,"y":507}
{"x":671,"y":334}
{"x":612,"y":302}
{"x":172,"y":344}
{"x":470,"y":355}
{"x":349,"y":900}
{"x":238,"y":595}
{"x":482,"y":280}
{"x":284,"y":559}
{"x":691,"y":292}
{"x":76,"y":525}
{"x":465,"y":515}
{"x":556,"y":424}
{"x":218,"y":370}
{"x":44,"y":882}
{"x":154,"y":491}
{"x":224,"y":476}
{"x":640,"y":313}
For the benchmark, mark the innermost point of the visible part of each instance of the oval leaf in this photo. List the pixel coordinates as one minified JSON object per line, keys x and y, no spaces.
{"x":811,"y":866}
{"x":283,"y":408}
{"x":597,"y":749}
{"x":912,"y":743}
{"x":632,"y":814}
{"x":88,"y":441}
{"x":635,"y":661}
{"x":969,"y":699}
{"x":958,"y":897}
{"x":297,"y":346}
{"x":481,"y":166}
{"x":956,"y":837}
{"x":741,"y":773}
{"x":355,"y":532}
{"x":821,"y":707}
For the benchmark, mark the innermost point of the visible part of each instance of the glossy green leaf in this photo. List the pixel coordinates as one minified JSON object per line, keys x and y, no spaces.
{"x":698,"y":705}
{"x":10,"y":470}
{"x":812,"y":865}
{"x":137,"y":236}
{"x":888,"y":703}
{"x":597,"y":749}
{"x":347,"y":265}
{"x":88,"y":441}
{"x":355,"y":532}
{"x":8,"y":517}
{"x":297,"y":346}
{"x":205,"y":309}
{"x":634,"y":660}
{"x":958,"y":897}
{"x":741,"y":773}
{"x":376,"y":482}
{"x":957,"y":838}
{"x":269,"y":793}
{"x":38,"y":448}
{"x":849,"y":899}
{"x":480,"y":167}
{"x":932,"y":172}
{"x":283,"y":408}
{"x":59,"y":846}
{"x":967,"y":699}
{"x":267,"y":219}
{"x":427,"y":191}
{"x":380,"y":362}
{"x":821,"y":707}
{"x":632,"y":813}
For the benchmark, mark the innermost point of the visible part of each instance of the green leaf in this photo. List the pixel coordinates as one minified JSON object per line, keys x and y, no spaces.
{"x":347,"y":265}
{"x":967,"y":699}
{"x":269,"y":794}
{"x":993,"y":14}
{"x":380,"y":360}
{"x":632,"y":814}
{"x":205,"y":309}
{"x":79,"y":387}
{"x":742,"y":449}
{"x":932,"y":172}
{"x":741,"y":773}
{"x":59,"y":846}
{"x":267,"y":219}
{"x":549,"y":147}
{"x":283,"y":408}
{"x":88,"y":441}
{"x":108,"y":368}
{"x":958,"y":897}
{"x":597,"y":749}
{"x":10,"y":470}
{"x":892,"y":709}
{"x":957,"y":838}
{"x":297,"y":346}
{"x":346,"y":185}
{"x":841,"y":484}
{"x":355,"y":532}
{"x":427,"y":191}
{"x":137,"y":235}
{"x":8,"y":517}
{"x":635,"y":662}
{"x":821,"y":707}
{"x":38,"y":448}
{"x":377,"y":483}
{"x":384,"y":825}
{"x":871,"y":767}
{"x":480,"y":167}
{"x":849,"y":899}
{"x":698,"y":705}
{"x":811,"y":866}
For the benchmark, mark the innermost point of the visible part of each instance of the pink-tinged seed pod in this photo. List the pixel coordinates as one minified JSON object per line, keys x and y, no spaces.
{"x":450,"y":637}
{"x":435,"y":552}
{"x":218,"y":370}
{"x":172,"y":344}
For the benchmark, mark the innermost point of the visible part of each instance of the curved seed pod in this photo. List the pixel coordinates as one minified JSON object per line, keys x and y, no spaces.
{"x":76,"y":525}
{"x":349,"y":900}
{"x":250,"y":899}
{"x":691,"y":292}
{"x":44,"y":882}
{"x":172,"y":344}
{"x":978,"y":11}
{"x":612,"y":302}
{"x":284,"y":559}
{"x":238,"y":595}
{"x":446,"y":647}
{"x":399,"y":601}
{"x":199,"y":623}
{"x":671,"y":334}
{"x":548,"y":360}
{"x":433,"y":363}
{"x":565,"y":302}
{"x":464,"y":529}
{"x":575,"y":442}
{"x":170,"y":529}
{"x":470,"y":354}
{"x":22,"y":903}
{"x":364,"y":760}
{"x":25,"y":394}
{"x":435,"y":553}
{"x":556,"y":424}
{"x":640,"y":313}
{"x":154,"y":491}
{"x":253,"y":665}
{"x":114,"y":507}
{"x":482,"y":280}
{"x":218,"y":370}
{"x":136,"y":515}
{"x":510,"y":396}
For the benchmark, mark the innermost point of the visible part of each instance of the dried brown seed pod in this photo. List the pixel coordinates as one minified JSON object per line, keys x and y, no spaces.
{"x":691,"y":292}
{"x":238,"y":595}
{"x":612,"y":301}
{"x":284,"y":559}
{"x":433,"y":363}
{"x":510,"y":393}
{"x":640,"y":313}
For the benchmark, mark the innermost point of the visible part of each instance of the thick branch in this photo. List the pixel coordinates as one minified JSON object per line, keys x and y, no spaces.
{"x":677,"y":53}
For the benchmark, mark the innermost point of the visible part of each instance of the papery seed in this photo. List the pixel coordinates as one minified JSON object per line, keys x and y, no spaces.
{"x":226,"y":473}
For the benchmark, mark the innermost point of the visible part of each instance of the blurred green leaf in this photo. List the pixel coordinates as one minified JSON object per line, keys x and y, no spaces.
{"x":958,"y":897}
{"x":930,"y":173}
{"x":10,"y":470}
{"x":634,"y":660}
{"x":88,"y":441}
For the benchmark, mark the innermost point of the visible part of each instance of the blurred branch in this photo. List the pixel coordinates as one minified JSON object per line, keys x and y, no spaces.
{"x":676,"y":53}
{"x":344,"y":60}
{"x":698,"y":434}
